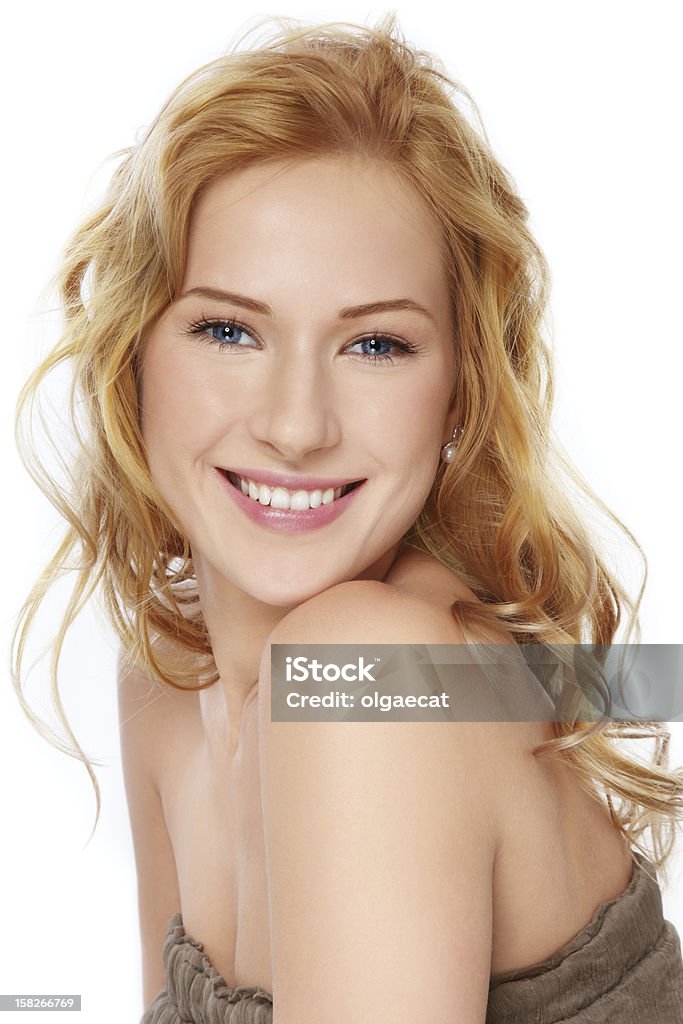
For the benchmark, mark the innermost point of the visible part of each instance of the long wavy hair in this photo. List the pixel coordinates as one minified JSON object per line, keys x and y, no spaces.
{"x":499,"y":515}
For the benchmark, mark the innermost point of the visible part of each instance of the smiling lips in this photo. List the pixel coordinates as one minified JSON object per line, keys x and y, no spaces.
{"x":274,"y":506}
{"x":297,"y":499}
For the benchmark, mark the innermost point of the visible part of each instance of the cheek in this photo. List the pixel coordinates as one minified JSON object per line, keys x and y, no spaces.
{"x":423,"y":405}
{"x":403,"y":432}
{"x":164,"y":413}
{"x":183,"y":407}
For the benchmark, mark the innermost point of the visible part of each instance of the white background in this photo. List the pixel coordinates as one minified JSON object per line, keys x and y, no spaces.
{"x":580,"y":102}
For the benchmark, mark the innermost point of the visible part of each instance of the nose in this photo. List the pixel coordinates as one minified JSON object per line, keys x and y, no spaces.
{"x":296,"y":413}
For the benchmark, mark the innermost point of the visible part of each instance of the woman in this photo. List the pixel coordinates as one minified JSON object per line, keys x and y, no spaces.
{"x":305,"y":326}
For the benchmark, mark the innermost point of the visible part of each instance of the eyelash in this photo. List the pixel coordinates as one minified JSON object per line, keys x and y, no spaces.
{"x":201,"y":326}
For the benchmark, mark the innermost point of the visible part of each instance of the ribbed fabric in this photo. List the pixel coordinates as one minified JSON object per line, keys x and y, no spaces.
{"x":195,"y":992}
{"x":624,"y":967}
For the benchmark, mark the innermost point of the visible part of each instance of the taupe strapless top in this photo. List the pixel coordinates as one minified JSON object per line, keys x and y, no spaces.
{"x":624,"y":966}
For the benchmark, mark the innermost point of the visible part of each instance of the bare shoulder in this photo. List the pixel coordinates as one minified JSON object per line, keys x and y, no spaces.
{"x":380,"y":837}
{"x":141,"y":697}
{"x":368,"y":611}
{"x":149,"y":712}
{"x":413,"y":609}
{"x":141,"y":700}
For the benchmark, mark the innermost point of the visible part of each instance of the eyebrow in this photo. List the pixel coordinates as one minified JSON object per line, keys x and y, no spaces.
{"x":348,"y":313}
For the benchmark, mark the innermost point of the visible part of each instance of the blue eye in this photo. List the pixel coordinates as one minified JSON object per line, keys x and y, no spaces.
{"x":376,"y":341}
{"x":224,"y":333}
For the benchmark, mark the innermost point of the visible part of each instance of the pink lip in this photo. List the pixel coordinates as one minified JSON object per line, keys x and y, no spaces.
{"x":292,"y":483}
{"x":287,"y":520}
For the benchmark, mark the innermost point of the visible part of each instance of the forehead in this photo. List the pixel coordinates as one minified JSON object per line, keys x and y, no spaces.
{"x":343,"y":219}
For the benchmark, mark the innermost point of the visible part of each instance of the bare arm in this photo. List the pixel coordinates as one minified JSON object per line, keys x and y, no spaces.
{"x":380,"y":841}
{"x":158,"y":896}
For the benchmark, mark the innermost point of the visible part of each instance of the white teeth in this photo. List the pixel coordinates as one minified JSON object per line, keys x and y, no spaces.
{"x":281,"y":498}
{"x":300,"y":500}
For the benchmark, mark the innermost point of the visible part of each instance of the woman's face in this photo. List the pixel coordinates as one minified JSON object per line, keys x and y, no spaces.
{"x":310,"y":346}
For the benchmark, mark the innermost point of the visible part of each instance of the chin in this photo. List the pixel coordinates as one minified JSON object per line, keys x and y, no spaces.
{"x":289,"y":595}
{"x":291,"y":591}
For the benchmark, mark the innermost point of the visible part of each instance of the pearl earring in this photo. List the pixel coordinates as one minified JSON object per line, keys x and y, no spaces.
{"x":448,"y":450}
